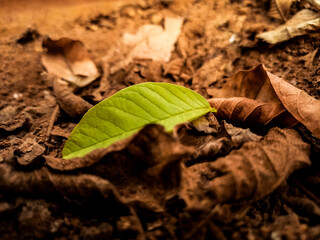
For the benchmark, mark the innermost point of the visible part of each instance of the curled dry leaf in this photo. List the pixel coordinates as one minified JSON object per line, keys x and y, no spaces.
{"x":147,"y":163}
{"x":302,"y":106}
{"x":249,"y":97}
{"x":300,"y":24}
{"x":68,"y":59}
{"x":72,"y":104}
{"x":210,"y":139}
{"x":42,"y":181}
{"x":258,"y":97}
{"x":279,"y":9}
{"x":250,"y":173}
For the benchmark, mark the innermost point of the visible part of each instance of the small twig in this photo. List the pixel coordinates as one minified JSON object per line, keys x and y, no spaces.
{"x":52,"y":121}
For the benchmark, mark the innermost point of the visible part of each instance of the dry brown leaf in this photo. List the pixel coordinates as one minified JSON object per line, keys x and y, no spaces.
{"x":247,"y":174}
{"x":300,"y":24}
{"x":149,"y":42}
{"x":74,"y":187}
{"x":302,"y":106}
{"x":144,"y":167}
{"x":210,"y":139}
{"x":249,"y":97}
{"x":258,"y":97}
{"x":72,"y":104}
{"x":279,"y":9}
{"x":69,"y":59}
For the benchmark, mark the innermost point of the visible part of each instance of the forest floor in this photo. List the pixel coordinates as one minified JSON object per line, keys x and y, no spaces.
{"x":218,"y":38}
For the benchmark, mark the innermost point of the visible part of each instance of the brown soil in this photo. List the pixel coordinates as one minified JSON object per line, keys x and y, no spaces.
{"x":34,"y":120}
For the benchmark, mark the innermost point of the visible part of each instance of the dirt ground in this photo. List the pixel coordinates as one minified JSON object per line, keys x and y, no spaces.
{"x":217,"y":39}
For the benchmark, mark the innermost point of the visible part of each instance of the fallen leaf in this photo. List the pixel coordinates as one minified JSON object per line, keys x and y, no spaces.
{"x":147,"y":163}
{"x":128,"y":110}
{"x":300,"y":24}
{"x":249,"y":97}
{"x":149,"y":42}
{"x":302,"y":106}
{"x":72,"y":104}
{"x":210,"y":139}
{"x":252,"y":112}
{"x":249,"y":173}
{"x":68,"y":59}
{"x":258,"y":97}
{"x":279,"y":9}
{"x":84,"y":187}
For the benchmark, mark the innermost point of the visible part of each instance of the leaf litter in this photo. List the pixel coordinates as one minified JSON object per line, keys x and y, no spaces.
{"x":69,"y":59}
{"x":162,"y":177}
{"x":260,"y":98}
{"x":302,"y":23}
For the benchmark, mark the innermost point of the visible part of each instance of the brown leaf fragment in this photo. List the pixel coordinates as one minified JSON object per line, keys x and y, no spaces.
{"x":240,"y":136}
{"x":179,"y":68}
{"x":252,"y":112}
{"x":279,"y":9}
{"x":11,"y":119}
{"x":301,"y":23}
{"x":149,"y":42}
{"x":68,"y":59}
{"x":249,"y":173}
{"x":29,"y":151}
{"x":72,"y":104}
{"x":42,"y":181}
{"x":210,"y":139}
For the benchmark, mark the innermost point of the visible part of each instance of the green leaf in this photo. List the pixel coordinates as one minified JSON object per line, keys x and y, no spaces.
{"x":128,"y":110}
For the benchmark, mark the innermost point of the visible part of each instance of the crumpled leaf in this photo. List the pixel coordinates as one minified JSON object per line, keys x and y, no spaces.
{"x":127,"y":111}
{"x":147,"y":163}
{"x":210,"y":139}
{"x":12,"y":118}
{"x":149,"y":42}
{"x":28,"y":151}
{"x":69,"y":59}
{"x":279,"y":9}
{"x":72,"y":104}
{"x":302,"y":106}
{"x":83,"y":187}
{"x":300,"y":24}
{"x":249,"y":173}
{"x":249,"y":97}
{"x":258,"y":97}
